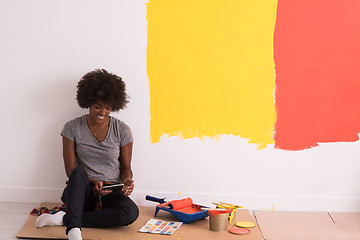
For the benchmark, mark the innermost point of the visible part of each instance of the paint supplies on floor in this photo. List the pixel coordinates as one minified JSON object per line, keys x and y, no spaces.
{"x":219,"y":219}
{"x":184,"y":209}
{"x":223,"y":205}
{"x":160,"y":227}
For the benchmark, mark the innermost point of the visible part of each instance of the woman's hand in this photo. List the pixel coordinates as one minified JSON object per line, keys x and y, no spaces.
{"x":97,"y":184}
{"x":128,"y":186}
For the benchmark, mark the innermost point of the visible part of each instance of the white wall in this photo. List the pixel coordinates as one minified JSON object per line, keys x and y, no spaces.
{"x":46,"y":46}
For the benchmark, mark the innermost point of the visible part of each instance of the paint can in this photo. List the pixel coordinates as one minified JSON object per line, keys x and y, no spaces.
{"x":218,"y":222}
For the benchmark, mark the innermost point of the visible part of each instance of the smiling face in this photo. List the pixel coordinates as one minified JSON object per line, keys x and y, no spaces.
{"x":99,"y":112}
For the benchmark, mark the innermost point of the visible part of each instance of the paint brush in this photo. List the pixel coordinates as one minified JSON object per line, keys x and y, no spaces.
{"x":219,"y":205}
{"x":231,"y":205}
{"x":211,"y":209}
{"x":226,"y":205}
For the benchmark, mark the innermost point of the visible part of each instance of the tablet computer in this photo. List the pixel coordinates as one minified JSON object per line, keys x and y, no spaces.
{"x":114,"y":187}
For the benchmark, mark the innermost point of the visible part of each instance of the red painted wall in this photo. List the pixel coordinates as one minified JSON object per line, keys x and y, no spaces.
{"x":317,"y":59}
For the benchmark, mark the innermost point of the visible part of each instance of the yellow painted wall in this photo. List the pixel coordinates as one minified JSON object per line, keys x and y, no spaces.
{"x":211,"y":68}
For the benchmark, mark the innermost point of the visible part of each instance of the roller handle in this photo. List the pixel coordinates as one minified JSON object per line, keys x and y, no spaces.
{"x":155,"y":199}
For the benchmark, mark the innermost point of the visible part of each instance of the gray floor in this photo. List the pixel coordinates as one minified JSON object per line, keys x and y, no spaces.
{"x":13,"y":217}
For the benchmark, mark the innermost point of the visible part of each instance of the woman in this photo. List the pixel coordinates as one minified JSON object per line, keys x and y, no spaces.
{"x":97,"y":149}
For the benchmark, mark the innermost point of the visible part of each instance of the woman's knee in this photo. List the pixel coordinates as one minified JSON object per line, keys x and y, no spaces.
{"x":77,"y":183}
{"x":77,"y":180}
{"x":79,"y":174}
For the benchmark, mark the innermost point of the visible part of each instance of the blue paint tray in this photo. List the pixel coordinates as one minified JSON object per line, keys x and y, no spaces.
{"x":194,"y":214}
{"x":185,"y":217}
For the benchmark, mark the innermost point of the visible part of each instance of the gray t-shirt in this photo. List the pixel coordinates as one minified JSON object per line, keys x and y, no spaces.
{"x":100,"y":160}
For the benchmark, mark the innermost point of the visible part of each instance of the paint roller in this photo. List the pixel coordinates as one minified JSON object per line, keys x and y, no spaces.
{"x":174,"y":205}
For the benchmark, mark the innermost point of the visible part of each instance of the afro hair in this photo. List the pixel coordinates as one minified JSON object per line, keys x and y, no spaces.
{"x":100,"y":85}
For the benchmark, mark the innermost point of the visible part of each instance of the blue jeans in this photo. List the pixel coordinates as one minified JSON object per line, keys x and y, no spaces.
{"x":80,"y":201}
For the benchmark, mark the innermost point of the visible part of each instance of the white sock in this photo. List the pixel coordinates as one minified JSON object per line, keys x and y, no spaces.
{"x":75,"y":234}
{"x":47,"y":219}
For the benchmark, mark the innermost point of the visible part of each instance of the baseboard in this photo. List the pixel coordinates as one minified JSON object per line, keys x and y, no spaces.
{"x":35,"y":195}
{"x":253,"y":202}
{"x":263,"y":202}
